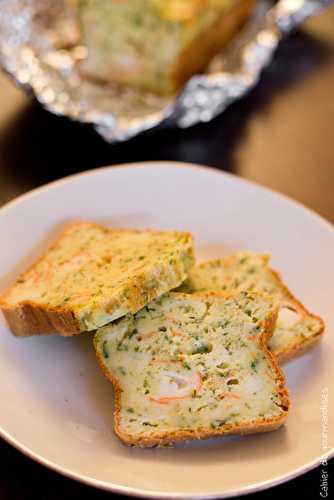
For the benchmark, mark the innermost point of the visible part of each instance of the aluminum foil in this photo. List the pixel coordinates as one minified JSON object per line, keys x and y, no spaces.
{"x":40,"y":47}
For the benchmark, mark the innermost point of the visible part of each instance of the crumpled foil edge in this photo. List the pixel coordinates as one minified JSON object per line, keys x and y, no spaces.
{"x":31,"y":53}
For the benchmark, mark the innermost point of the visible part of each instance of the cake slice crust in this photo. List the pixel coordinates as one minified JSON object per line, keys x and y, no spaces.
{"x":92,"y":275}
{"x":296,"y":330}
{"x":192,"y":367}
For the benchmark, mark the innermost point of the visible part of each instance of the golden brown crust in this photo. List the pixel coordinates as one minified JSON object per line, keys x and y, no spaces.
{"x":165,"y":438}
{"x":295,"y":350}
{"x":298,"y":347}
{"x":196,"y":56}
{"x":29,"y":317}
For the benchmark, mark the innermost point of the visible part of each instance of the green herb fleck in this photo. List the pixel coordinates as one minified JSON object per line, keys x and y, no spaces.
{"x":254,"y":365}
{"x":201,"y":347}
{"x":217,"y":423}
{"x":223,"y":366}
{"x":134,"y":331}
{"x":233,"y":381}
{"x":105,"y":350}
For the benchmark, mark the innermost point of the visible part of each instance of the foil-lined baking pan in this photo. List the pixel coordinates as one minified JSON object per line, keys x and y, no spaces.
{"x":40,"y":47}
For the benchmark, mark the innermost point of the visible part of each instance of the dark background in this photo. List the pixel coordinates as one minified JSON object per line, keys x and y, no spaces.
{"x":281,"y":135}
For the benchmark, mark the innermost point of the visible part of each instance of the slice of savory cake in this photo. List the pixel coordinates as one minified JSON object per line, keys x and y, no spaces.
{"x":191,"y":366}
{"x":296,"y":328}
{"x":156,"y":45}
{"x":93,"y":275}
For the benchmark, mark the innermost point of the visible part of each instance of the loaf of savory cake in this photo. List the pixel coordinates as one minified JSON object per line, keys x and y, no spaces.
{"x":156,"y":45}
{"x":296,"y":329}
{"x":93,"y":275}
{"x":193,"y":366}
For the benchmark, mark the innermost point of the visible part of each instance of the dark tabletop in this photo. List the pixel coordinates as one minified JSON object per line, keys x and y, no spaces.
{"x":281,"y":135}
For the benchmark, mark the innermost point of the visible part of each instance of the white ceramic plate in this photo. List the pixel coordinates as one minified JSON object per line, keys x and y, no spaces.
{"x":55,"y":404}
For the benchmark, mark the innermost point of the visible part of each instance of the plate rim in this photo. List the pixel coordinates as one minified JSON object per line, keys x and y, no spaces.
{"x":170,"y":164}
{"x":154,"y":494}
{"x":140,"y":492}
